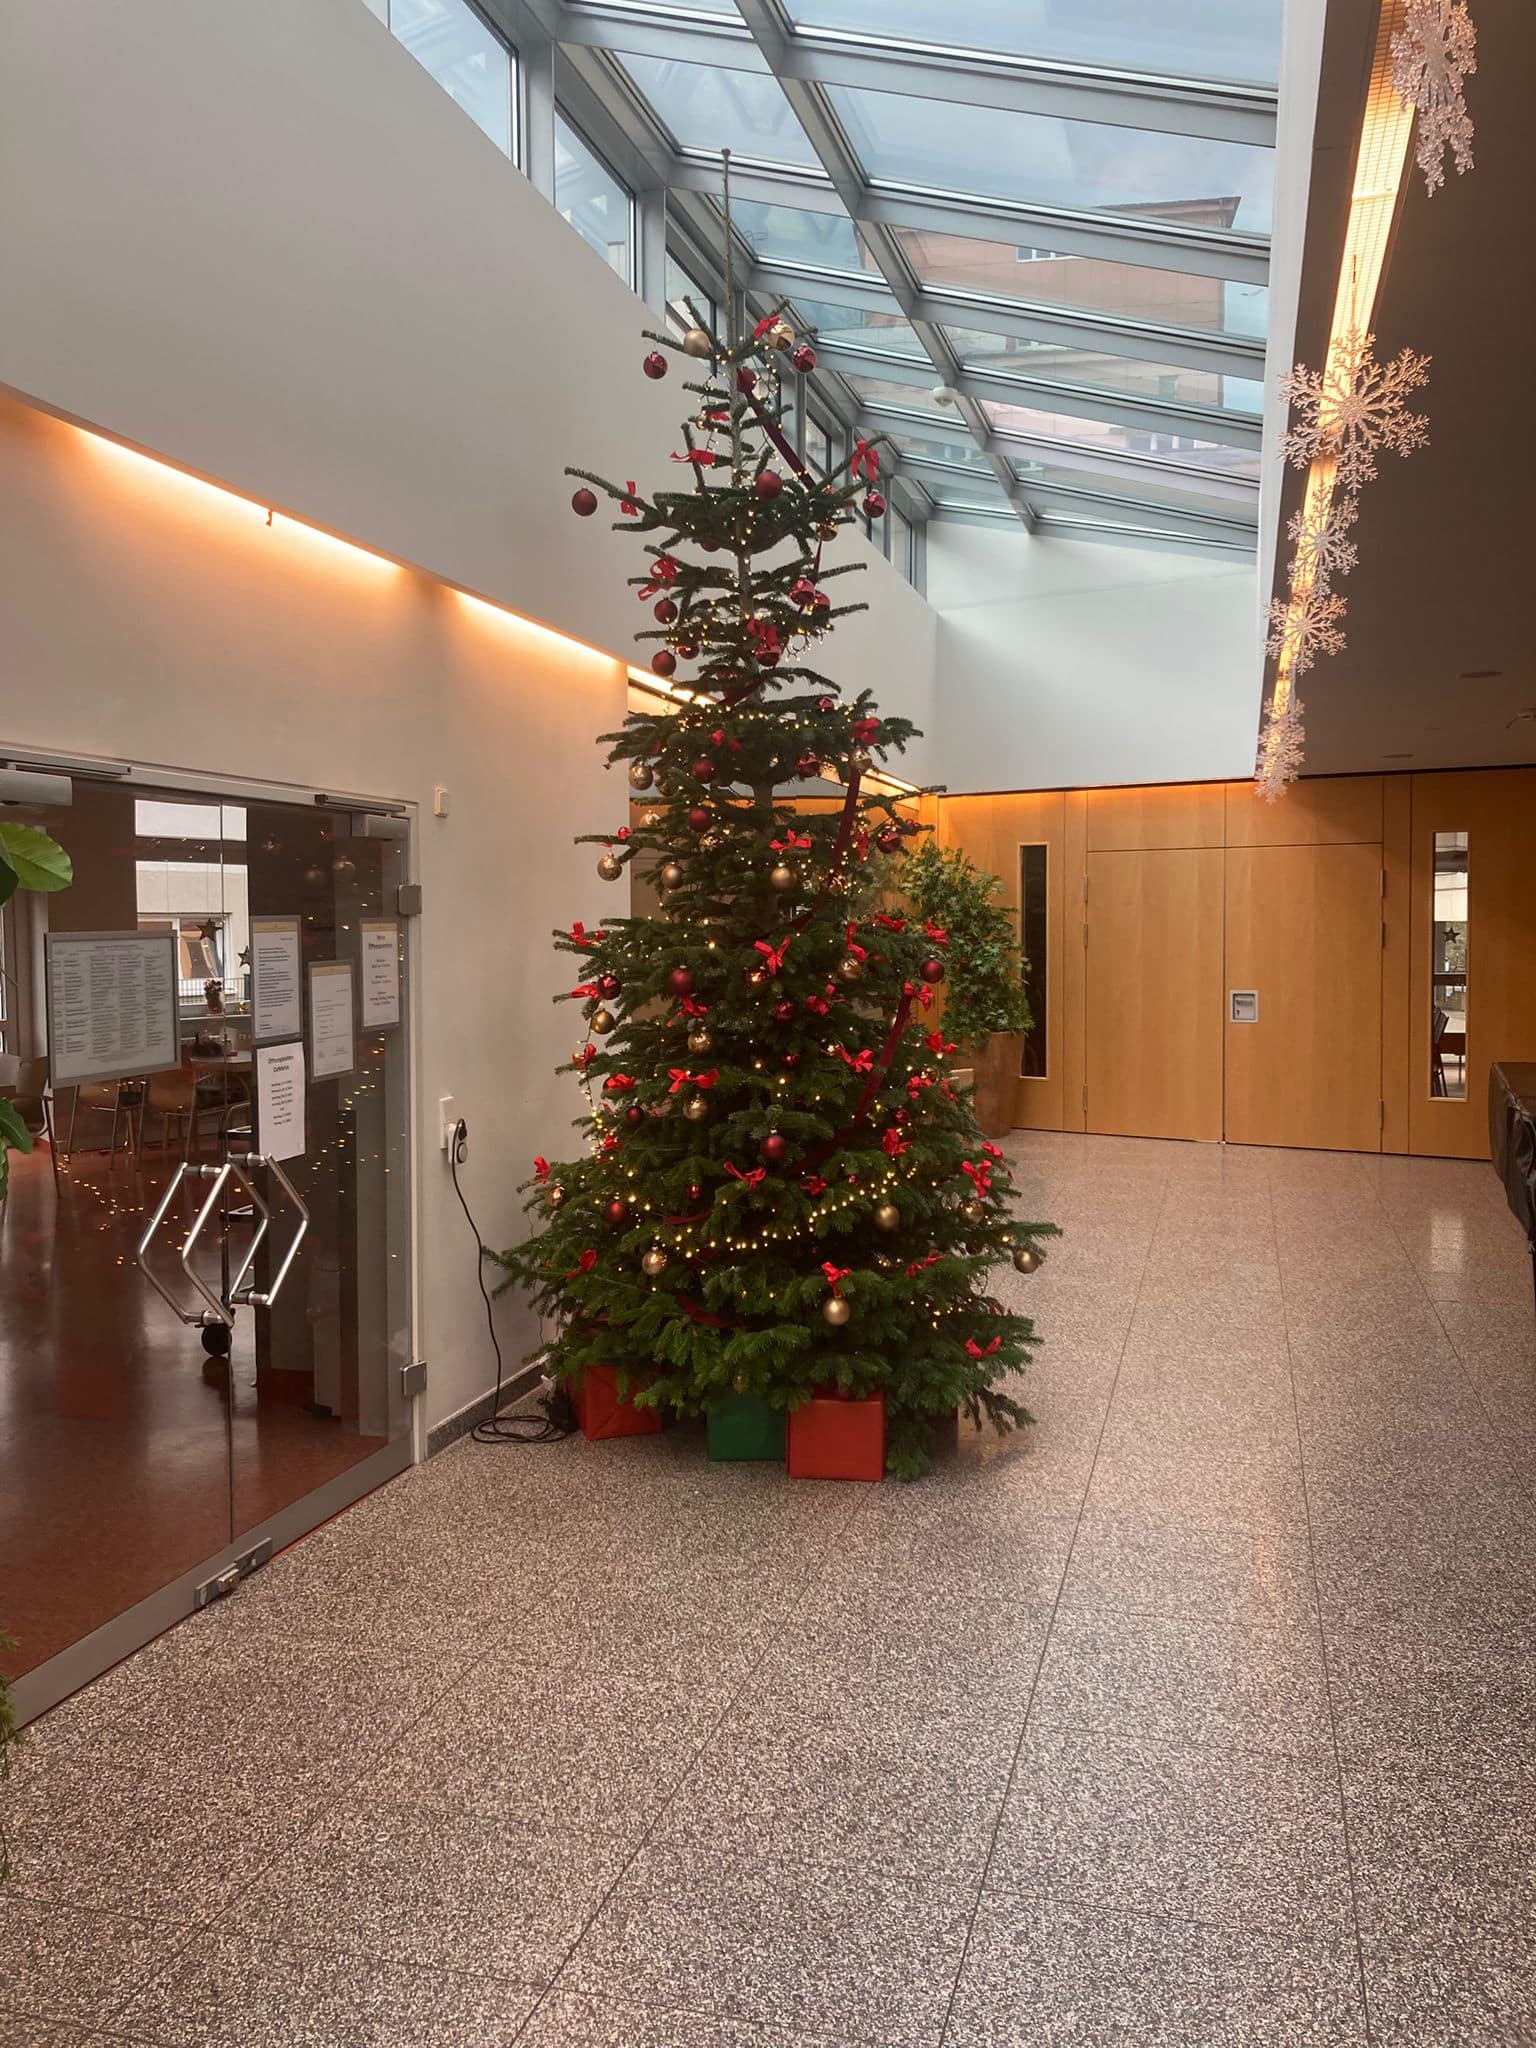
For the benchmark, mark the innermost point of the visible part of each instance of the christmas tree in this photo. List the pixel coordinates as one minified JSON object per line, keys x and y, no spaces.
{"x":783,"y":1191}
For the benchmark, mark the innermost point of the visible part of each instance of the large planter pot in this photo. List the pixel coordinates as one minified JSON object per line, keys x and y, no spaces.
{"x":741,"y":1426}
{"x":603,"y":1411}
{"x":995,"y":1066}
{"x":831,"y":1437}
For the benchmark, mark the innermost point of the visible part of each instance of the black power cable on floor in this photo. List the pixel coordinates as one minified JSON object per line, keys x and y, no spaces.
{"x":558,"y":1419}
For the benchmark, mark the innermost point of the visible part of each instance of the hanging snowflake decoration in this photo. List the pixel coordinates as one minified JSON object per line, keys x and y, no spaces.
{"x":1282,"y":748}
{"x":1433,"y":51}
{"x":1302,"y":628}
{"x":1322,"y":549}
{"x":1352,"y":407}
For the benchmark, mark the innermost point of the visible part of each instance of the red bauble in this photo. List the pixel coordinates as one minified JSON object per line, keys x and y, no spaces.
{"x":769,"y":483}
{"x":785,"y":1011}
{"x":617,"y":1210}
{"x":821,"y":603}
{"x":704,"y":769}
{"x":634,"y":1116}
{"x":699,"y":819}
{"x":825,"y":703}
{"x":932,"y":968}
{"x":710,"y":547}
{"x":874,"y":504}
{"x":774,"y":1147}
{"x":802,"y":592}
{"x":665,"y":610}
{"x":655,"y":364}
{"x":688,"y":649}
{"x":804,"y":358}
{"x":695,"y":1192}
{"x":662,"y":662}
{"x":807,"y":763}
{"x":607,"y":986}
{"x":791,"y":1059}
{"x":583,"y":502}
{"x":680,"y":981}
{"x":746,"y":380}
{"x":888,"y":839}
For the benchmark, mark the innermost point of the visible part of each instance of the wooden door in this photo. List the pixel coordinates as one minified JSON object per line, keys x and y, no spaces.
{"x":1496,"y":809}
{"x":1304,"y":931}
{"x":1154,"y":992}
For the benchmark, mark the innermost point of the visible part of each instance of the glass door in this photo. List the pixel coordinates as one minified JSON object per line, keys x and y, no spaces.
{"x":205,"y":1263}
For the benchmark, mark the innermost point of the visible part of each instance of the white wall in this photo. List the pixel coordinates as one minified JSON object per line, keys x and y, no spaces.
{"x":1075,"y":664}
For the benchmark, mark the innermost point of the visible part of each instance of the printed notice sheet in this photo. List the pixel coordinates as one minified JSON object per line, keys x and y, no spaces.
{"x":331,"y":1047}
{"x":277,"y":989}
{"x":381,"y":972}
{"x":111,"y":1005}
{"x":280,"y":1100}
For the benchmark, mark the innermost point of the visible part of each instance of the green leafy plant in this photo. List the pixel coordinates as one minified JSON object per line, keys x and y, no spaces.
{"x":986,"y":967}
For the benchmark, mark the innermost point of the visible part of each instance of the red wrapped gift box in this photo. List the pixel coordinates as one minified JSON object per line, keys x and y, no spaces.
{"x":834,"y":1437}
{"x":603,"y":1411}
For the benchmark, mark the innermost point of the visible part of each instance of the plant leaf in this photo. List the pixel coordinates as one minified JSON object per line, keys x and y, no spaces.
{"x":14,"y":1134}
{"x":37,"y":861}
{"x":8,"y":880}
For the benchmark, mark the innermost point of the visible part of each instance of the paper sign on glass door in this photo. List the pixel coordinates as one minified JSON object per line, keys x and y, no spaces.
{"x":277,"y":993}
{"x":332,"y":1049}
{"x":381,"y":973}
{"x":280,"y":1101}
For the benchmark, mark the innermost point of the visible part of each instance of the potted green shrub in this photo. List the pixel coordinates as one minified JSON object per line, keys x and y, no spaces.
{"x":985,"y":1004}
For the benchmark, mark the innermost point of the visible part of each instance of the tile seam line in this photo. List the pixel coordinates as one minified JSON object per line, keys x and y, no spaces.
{"x":794,"y":1603}
{"x":970,"y":1932}
{"x":1322,"y":1637}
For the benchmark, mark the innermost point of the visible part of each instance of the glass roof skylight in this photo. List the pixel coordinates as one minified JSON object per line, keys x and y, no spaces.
{"x":1054,"y":214}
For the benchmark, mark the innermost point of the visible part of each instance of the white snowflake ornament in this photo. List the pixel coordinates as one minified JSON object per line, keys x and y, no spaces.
{"x":1282,"y":748}
{"x":1303,"y":628}
{"x":1323,"y":552}
{"x":1432,"y":53}
{"x":1352,"y":407}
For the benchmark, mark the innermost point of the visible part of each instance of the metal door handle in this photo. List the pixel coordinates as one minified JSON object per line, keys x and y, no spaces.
{"x":240,"y":1294}
{"x":215,"y":1312}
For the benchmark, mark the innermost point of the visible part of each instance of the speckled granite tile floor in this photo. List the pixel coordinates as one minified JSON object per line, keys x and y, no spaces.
{"x":1204,"y":1716}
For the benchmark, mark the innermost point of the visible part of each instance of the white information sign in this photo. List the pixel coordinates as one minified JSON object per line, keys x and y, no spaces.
{"x":277,"y":988}
{"x":381,"y":972}
{"x":280,"y":1100}
{"x":332,"y":1049}
{"x":111,"y":1005}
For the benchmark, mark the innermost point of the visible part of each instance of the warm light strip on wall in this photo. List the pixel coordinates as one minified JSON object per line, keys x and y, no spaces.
{"x":1379,"y":160}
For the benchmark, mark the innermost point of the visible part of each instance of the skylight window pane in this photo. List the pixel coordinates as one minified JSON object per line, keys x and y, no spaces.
{"x":1098,"y":370}
{"x":796,"y":234}
{"x":591,"y":198}
{"x":917,"y":437}
{"x":860,"y":327}
{"x":472,"y":65}
{"x":1237,"y":40}
{"x":706,"y":107}
{"x":1104,"y":437}
{"x":1151,"y":491}
{"x":1091,"y":284}
{"x":1042,"y":160}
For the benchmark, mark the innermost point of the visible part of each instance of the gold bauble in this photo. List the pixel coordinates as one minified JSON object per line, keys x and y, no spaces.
{"x":671,"y":876}
{"x":696,"y":1108}
{"x":861,"y":759}
{"x":650,"y":820}
{"x":850,"y":968}
{"x":888,"y":1217}
{"x":602,"y":1023}
{"x":1026,"y":1259}
{"x":781,"y":336}
{"x":783,"y":879}
{"x":697,"y":343}
{"x":835,"y":1311}
{"x":654,"y":1262}
{"x":972,"y":1211}
{"x":885,"y":1262}
{"x":700,"y":1039}
{"x":554,"y":1195}
{"x":641,"y":775}
{"x":711,"y":843}
{"x":610,"y":867}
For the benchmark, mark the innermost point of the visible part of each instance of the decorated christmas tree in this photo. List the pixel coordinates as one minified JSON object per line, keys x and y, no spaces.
{"x":782,"y":1191}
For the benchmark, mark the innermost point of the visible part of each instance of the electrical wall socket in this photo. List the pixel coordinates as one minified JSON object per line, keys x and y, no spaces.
{"x":447,"y":1119}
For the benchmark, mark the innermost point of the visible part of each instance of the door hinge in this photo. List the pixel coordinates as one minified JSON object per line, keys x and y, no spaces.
{"x":224,"y":1583}
{"x":1381,"y":1115}
{"x":413,"y":1379}
{"x":1085,"y":1098}
{"x":1085,"y":888}
{"x":408,"y":899}
{"x":1383,"y":935}
{"x":1085,"y":935}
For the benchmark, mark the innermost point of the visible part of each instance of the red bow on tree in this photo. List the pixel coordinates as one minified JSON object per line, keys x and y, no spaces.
{"x":627,"y":505}
{"x":584,"y":1264}
{"x":819,"y":1004}
{"x":861,"y":845}
{"x":792,"y":840}
{"x":580,"y":936}
{"x":701,"y":458}
{"x":584,"y":989}
{"x":992,"y":1151}
{"x":618,"y":1084}
{"x":937,"y":1042}
{"x":866,"y":461}
{"x":920,"y":990}
{"x":892,"y":924}
{"x":814,"y":1184}
{"x":540,"y":1167}
{"x":584,"y":1055}
{"x":764,"y":635}
{"x":609,"y":1144}
{"x":692,"y":1007}
{"x":773,"y":956}
{"x":663,"y":571}
{"x":939,"y":936}
{"x":768,"y":320}
{"x":854,"y":947}
{"x":980,"y":1176}
{"x":916,"y":1083}
{"x":834,"y":1273}
{"x":857,"y":1063}
{"x":975,"y":1350}
{"x":893,"y":1144}
{"x":681,"y":1078}
{"x":751,"y":1178}
{"x":921,"y":1265}
{"x":864,"y":730}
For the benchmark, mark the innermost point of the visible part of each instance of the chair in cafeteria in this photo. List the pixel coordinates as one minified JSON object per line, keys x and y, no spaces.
{"x":117,"y":1099}
{"x":1439,"y":1022}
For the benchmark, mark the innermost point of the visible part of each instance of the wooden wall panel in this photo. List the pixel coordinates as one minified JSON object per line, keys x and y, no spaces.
{"x":1496,"y":808}
{"x":1175,"y":814}
{"x":1303,"y":929}
{"x":1334,"y":810}
{"x":1153,"y":1012}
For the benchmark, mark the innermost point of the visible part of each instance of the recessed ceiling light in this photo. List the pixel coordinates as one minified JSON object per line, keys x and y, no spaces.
{"x":1479,"y":675}
{"x":1397,"y":757}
